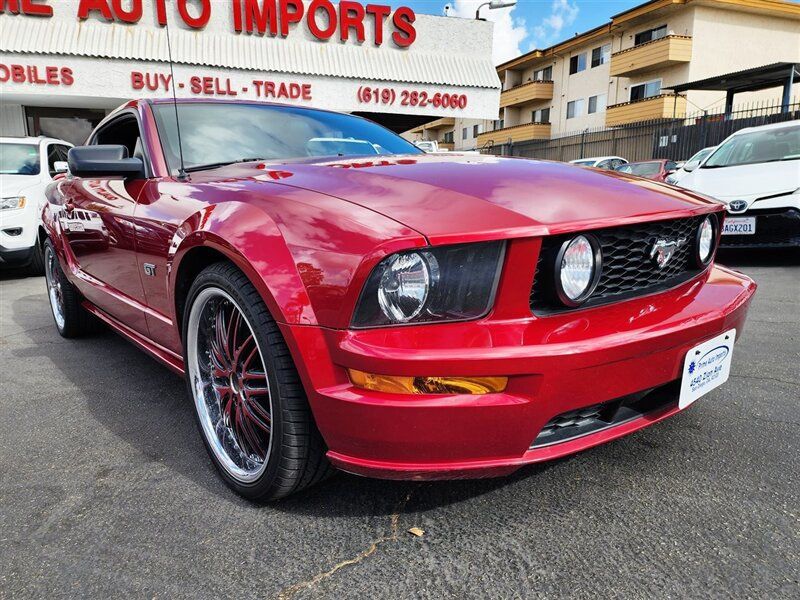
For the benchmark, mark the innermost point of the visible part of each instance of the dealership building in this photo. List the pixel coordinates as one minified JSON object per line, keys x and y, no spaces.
{"x":64,"y":64}
{"x":627,"y":71}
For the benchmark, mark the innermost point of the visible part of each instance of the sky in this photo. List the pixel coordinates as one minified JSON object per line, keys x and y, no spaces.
{"x":531,"y":23}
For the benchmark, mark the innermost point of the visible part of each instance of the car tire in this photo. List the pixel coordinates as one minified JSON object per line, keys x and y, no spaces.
{"x":271,"y":457}
{"x":36,"y":266}
{"x":72,"y":320}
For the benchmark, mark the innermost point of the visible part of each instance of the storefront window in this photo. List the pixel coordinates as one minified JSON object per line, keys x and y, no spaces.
{"x":68,"y":124}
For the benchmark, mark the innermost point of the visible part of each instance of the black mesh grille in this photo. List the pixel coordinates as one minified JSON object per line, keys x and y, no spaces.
{"x":774,"y":227}
{"x":576,"y":423}
{"x":628,"y":268}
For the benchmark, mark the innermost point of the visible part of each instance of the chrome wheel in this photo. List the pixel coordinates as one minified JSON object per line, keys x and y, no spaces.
{"x":54,"y":289}
{"x":229,"y":383}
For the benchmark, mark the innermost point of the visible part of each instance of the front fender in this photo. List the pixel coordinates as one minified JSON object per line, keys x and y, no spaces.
{"x":250,"y":239}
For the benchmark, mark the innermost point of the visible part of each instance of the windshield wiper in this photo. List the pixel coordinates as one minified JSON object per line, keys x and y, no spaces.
{"x":221,"y":164}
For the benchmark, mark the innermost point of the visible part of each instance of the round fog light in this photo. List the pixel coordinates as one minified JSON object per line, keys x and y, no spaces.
{"x":577,"y":270}
{"x":705,"y":240}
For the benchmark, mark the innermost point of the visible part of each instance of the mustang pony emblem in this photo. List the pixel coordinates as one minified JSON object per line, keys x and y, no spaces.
{"x":663,"y":251}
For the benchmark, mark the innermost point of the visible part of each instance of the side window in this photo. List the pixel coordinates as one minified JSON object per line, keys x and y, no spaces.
{"x":53,"y":155}
{"x":605,"y":164}
{"x":123,"y":131}
{"x":616,"y":163}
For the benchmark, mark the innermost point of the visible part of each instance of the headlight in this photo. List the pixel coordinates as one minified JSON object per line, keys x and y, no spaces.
{"x":577,"y":269}
{"x":706,"y":236}
{"x":12,"y":202}
{"x":405,"y":284}
{"x":671,"y":180}
{"x":448,"y":283}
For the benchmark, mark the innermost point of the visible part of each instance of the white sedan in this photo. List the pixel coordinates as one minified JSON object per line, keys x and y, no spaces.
{"x":689,"y":166}
{"x":609,"y":163}
{"x":27,"y":166}
{"x":756,"y":173}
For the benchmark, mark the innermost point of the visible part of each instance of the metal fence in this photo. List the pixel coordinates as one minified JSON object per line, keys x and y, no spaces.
{"x":676,"y":139}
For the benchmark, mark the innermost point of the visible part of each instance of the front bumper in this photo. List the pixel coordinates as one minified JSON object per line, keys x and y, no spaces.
{"x":555,"y":364}
{"x":18,"y":233}
{"x":15,"y":257}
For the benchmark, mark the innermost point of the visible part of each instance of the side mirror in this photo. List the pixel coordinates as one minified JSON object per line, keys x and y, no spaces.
{"x":110,"y":160}
{"x":691,"y":165}
{"x":60,"y":166}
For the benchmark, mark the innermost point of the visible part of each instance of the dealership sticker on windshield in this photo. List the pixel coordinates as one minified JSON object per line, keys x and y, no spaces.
{"x":706,"y":367}
{"x":739,"y":226}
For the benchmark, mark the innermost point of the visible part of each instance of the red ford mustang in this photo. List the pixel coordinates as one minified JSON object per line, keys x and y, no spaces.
{"x":336,"y":298}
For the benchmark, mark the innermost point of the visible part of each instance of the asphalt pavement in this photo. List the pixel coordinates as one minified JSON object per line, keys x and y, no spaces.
{"x":106,"y":489}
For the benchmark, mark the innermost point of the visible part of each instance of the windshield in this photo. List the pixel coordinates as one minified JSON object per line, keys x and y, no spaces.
{"x":701,"y":155}
{"x":763,"y":146}
{"x":217,"y":133}
{"x":644,"y":169}
{"x":19,"y":159}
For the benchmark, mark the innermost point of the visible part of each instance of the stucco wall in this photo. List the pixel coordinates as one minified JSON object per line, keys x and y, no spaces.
{"x":725,"y":41}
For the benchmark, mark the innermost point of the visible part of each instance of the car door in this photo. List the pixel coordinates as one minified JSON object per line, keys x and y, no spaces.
{"x":97,"y":224}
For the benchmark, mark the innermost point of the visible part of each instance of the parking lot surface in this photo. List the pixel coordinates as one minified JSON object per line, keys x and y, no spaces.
{"x":106,"y":489}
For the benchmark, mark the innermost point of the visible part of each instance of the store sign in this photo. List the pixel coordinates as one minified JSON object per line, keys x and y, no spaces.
{"x":274,"y":18}
{"x":77,"y":77}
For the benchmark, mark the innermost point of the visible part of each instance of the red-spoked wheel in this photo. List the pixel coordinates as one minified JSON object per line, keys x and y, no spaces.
{"x":249,"y":403}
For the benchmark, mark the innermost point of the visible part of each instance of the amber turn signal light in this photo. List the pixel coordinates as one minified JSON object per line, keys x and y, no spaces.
{"x":394,"y":384}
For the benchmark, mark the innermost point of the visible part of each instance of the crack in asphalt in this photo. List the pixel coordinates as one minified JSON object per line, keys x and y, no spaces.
{"x":392,"y":536}
{"x":756,"y":377}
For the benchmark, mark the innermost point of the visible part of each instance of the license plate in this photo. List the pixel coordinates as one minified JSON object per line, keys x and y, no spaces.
{"x":739,"y":226}
{"x":706,"y":367}
{"x":75,"y":226}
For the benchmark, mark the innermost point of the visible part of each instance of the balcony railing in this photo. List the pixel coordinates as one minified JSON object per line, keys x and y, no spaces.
{"x":434,"y":125}
{"x":657,"y":107}
{"x":527,"y":92}
{"x":440,"y":123}
{"x":663,"y":52}
{"x":516,"y":133}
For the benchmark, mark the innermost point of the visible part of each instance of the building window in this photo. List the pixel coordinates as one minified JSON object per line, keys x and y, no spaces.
{"x":545,"y":74}
{"x":645,"y":90}
{"x":476,"y":129}
{"x":448,"y":137}
{"x":601,"y":55}
{"x":498,"y":124}
{"x":464,"y":133}
{"x":597,"y":103}
{"x":575,"y":108}
{"x":651,"y":34}
{"x":541,"y":116}
{"x":70,"y":124}
{"x":577,"y":63}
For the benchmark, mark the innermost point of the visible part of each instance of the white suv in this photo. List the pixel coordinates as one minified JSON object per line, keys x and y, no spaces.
{"x":27,"y":166}
{"x":756,"y":173}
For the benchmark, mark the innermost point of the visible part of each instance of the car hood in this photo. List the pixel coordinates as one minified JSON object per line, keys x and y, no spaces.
{"x":11,"y":185}
{"x":462,"y":197}
{"x":745,"y":182}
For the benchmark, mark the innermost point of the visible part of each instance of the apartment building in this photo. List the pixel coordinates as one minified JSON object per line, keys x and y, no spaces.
{"x":453,"y":133}
{"x":621,"y":72}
